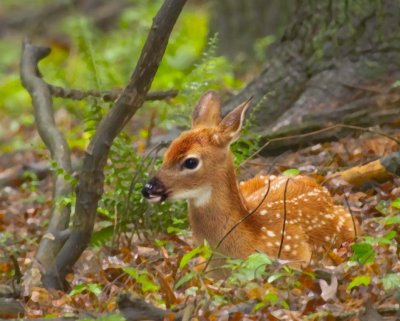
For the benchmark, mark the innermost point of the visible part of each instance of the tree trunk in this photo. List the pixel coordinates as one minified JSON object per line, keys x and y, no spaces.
{"x":240,"y":23}
{"x":334,"y":53}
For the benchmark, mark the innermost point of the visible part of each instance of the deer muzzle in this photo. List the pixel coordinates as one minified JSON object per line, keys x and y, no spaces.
{"x":154,"y":191}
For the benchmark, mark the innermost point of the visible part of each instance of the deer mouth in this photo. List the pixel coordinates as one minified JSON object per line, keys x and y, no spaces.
{"x":154,"y":191}
{"x":156,"y":198}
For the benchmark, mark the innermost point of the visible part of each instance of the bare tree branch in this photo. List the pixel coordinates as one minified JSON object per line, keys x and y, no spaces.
{"x":110,"y":95}
{"x":90,"y":185}
{"x":379,"y":170}
{"x":55,"y":142}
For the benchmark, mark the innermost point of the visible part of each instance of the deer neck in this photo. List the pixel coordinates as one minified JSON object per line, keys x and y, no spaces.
{"x":212,"y":216}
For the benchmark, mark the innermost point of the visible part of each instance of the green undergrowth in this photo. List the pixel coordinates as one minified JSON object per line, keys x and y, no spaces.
{"x":88,"y":58}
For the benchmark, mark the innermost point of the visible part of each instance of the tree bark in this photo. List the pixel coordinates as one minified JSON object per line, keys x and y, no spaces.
{"x":333,"y":53}
{"x":239,"y":24}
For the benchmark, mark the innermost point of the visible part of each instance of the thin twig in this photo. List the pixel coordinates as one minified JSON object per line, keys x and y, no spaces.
{"x":134,"y":180}
{"x":352,"y":216}
{"x":245,"y":217}
{"x":106,"y":95}
{"x":284,"y":218}
{"x":315,"y":132}
{"x":238,"y":223}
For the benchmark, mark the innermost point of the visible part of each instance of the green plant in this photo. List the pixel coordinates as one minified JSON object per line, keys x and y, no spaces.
{"x":142,"y":278}
{"x":94,"y":288}
{"x":31,"y":181}
{"x":359,"y":280}
{"x":363,"y":253}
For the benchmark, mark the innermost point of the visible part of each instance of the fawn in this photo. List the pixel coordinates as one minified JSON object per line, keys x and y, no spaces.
{"x":285,"y":217}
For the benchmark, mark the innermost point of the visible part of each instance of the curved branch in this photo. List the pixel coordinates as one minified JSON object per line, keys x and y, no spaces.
{"x":55,"y":142}
{"x":90,"y":185}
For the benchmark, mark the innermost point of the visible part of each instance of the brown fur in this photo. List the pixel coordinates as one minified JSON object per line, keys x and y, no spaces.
{"x":313,"y":222}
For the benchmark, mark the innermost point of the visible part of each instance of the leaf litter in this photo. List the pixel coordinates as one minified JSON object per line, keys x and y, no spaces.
{"x":363,"y":282}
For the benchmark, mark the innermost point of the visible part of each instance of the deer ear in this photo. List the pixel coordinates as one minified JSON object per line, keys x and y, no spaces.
{"x":232,"y":123}
{"x":207,"y":111}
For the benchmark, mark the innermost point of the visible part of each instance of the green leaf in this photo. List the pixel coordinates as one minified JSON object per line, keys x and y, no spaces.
{"x":390,"y":220}
{"x":257,"y":260}
{"x":110,"y":317}
{"x":148,"y":285}
{"x":186,"y":278}
{"x":100,"y":237}
{"x":363,"y":253}
{"x":291,"y":172}
{"x":79,"y":288}
{"x":381,"y":240}
{"x":173,"y":230}
{"x":141,"y":277}
{"x":188,"y":256}
{"x":251,"y":268}
{"x":94,"y":288}
{"x":200,"y":250}
{"x":275,"y":276}
{"x":271,"y":297}
{"x":396,"y":203}
{"x":389,"y":236}
{"x":359,"y":280}
{"x":258,"y":306}
{"x":391,"y":281}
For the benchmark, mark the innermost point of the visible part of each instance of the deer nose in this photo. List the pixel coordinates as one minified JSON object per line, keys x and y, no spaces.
{"x":154,"y":190}
{"x":146,"y":190}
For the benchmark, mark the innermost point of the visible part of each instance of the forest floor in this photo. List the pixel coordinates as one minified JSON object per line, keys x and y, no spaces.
{"x":363,"y":284}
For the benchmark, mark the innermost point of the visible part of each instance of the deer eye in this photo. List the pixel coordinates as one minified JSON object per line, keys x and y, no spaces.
{"x":190,"y":163}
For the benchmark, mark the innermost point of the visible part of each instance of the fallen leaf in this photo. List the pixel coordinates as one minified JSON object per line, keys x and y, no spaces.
{"x":329,"y":290}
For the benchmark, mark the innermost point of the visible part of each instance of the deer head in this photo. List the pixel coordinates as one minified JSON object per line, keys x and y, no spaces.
{"x":197,"y":161}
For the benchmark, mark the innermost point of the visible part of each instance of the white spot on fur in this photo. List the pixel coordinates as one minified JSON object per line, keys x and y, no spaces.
{"x":271,"y":234}
{"x":263,"y":212}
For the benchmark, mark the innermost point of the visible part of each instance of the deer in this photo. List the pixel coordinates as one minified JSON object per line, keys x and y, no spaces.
{"x":287,"y":218}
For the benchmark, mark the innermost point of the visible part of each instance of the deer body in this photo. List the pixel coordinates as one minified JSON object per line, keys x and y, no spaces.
{"x":285,"y":217}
